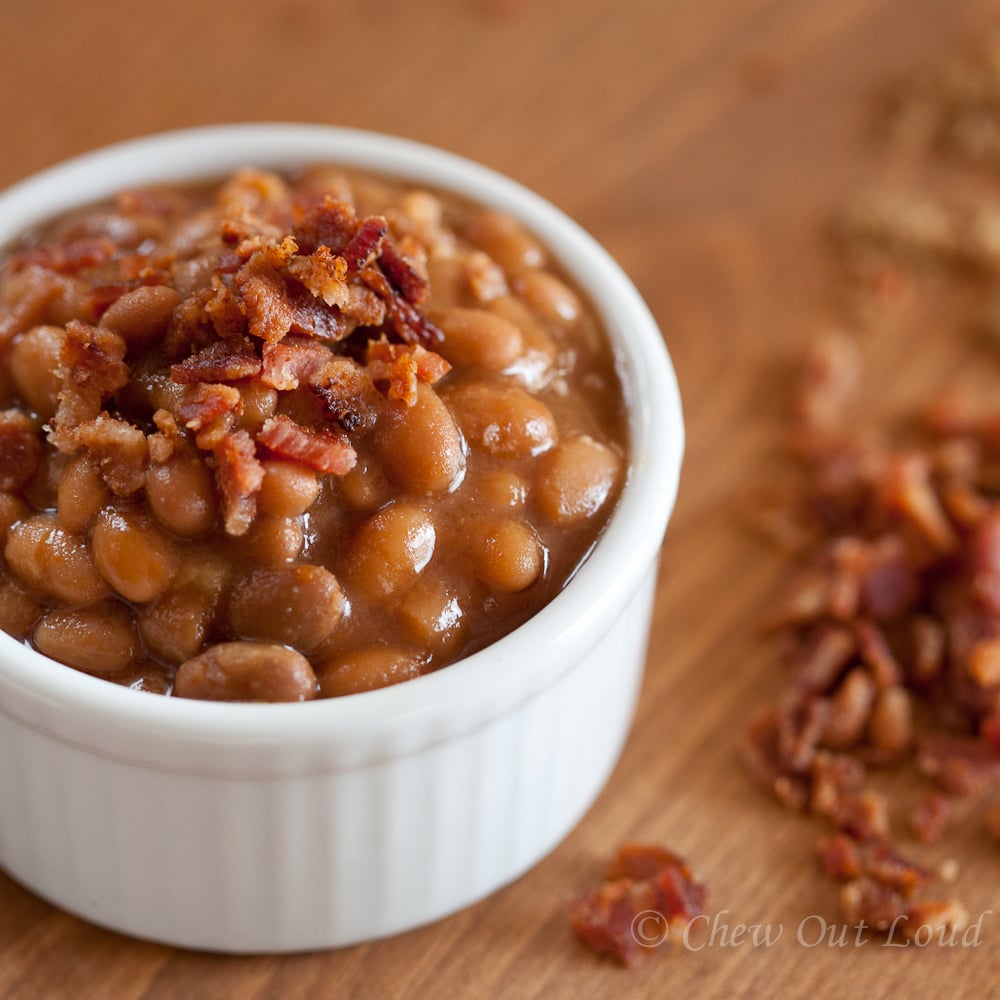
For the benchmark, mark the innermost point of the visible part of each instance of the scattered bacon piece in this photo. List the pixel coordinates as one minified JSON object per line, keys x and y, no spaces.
{"x":329,"y":223}
{"x":239,"y":474}
{"x":366,"y":242}
{"x":402,"y":275}
{"x":321,"y":450}
{"x":347,"y":392}
{"x":324,"y":274}
{"x":840,"y":857}
{"x":264,"y":292}
{"x":410,"y":324}
{"x":929,"y":817}
{"x":66,"y":258}
{"x":828,"y":378}
{"x":209,"y":410}
{"x":402,"y":366}
{"x":960,"y":765}
{"x":225,"y":310}
{"x":293,"y":360}
{"x":121,"y":451}
{"x":93,"y":368}
{"x":642,"y":881}
{"x":223,"y":361}
{"x":878,"y":906}
{"x":168,"y":439}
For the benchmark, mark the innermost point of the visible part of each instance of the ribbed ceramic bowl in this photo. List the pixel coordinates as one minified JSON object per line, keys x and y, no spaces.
{"x":243,"y":827}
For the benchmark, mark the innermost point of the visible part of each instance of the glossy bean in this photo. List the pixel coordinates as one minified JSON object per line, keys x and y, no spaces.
{"x":246,"y":671}
{"x":297,"y":605}
{"x":99,"y":638}
{"x":366,"y":669}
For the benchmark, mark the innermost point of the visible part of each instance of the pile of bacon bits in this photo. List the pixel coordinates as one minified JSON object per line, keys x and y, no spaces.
{"x":891,"y":623}
{"x":648,"y":898}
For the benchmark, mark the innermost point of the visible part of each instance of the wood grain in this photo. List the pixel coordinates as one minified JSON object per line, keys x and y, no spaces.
{"x":704,"y":144}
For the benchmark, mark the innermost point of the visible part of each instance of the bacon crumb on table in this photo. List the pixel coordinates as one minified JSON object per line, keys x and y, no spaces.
{"x":646,"y":883}
{"x":892,"y":618}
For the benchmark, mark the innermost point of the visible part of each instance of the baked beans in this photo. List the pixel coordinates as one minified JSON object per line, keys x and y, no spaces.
{"x":286,"y":437}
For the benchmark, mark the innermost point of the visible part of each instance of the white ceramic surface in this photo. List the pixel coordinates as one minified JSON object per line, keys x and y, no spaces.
{"x":241,"y":827}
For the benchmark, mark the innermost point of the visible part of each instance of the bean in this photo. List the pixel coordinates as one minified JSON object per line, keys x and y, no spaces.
{"x":82,"y":493}
{"x":365,"y":487}
{"x":389,"y":550}
{"x":420,"y":446}
{"x":539,"y":361}
{"x":484,"y":276}
{"x":69,"y":301}
{"x":272,"y":540}
{"x":18,"y":610}
{"x":288,"y":489}
{"x":99,"y":638}
{"x":141,"y":315}
{"x":432,"y":614}
{"x":53,"y":562}
{"x":34,"y":365}
{"x":502,"y":419}
{"x":42,"y":490}
{"x":204,"y":570}
{"x":479,"y":339}
{"x":176,"y":625}
{"x":132,"y":554}
{"x":423,"y":209}
{"x":507,"y":555}
{"x":197,"y":232}
{"x":505,"y":240}
{"x":549,"y":298}
{"x":419,"y":213}
{"x":259,"y":402}
{"x":366,"y":669}
{"x":446,"y":275}
{"x":576,"y":478}
{"x":502,"y":488}
{"x":12,"y":510}
{"x":246,"y":671}
{"x":297,"y":605}
{"x":190,"y":276}
{"x":181,"y":495}
{"x":93,"y":223}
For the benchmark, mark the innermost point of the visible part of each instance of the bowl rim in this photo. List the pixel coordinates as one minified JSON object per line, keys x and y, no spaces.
{"x":500,"y":676}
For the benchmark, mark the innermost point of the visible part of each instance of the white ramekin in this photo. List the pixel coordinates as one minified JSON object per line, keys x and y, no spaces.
{"x":240,"y":827}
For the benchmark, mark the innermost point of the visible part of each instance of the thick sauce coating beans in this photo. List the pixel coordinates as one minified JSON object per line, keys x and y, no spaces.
{"x":288,"y":437}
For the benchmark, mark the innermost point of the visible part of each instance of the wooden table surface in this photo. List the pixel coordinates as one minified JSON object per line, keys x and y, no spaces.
{"x":704,"y":143}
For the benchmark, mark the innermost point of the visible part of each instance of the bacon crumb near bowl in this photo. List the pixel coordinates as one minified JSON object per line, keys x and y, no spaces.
{"x":643,"y":882}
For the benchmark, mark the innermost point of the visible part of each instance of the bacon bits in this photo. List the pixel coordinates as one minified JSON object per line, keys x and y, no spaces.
{"x":643,"y":883}
{"x":892,"y":618}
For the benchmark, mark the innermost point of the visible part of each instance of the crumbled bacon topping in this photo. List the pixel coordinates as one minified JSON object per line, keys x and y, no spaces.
{"x":223,"y":361}
{"x":66,"y":258}
{"x":239,"y":474}
{"x":303,"y":298}
{"x":93,"y":369}
{"x":321,"y":450}
{"x":121,"y":452}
